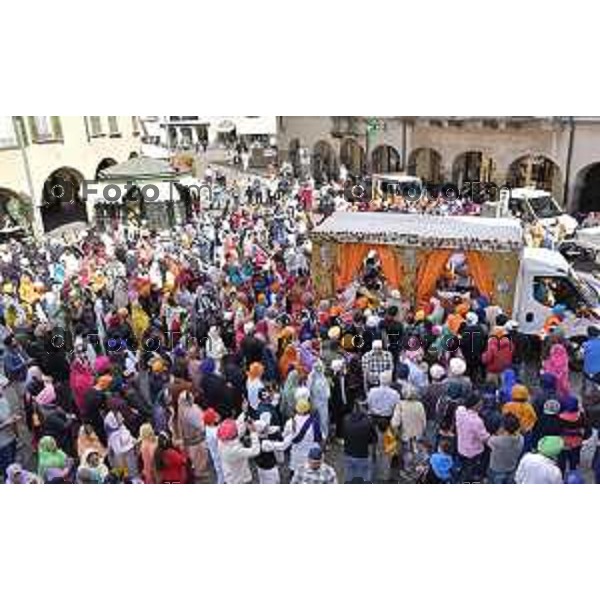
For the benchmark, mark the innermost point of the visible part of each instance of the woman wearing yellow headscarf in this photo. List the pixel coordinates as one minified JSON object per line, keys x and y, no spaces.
{"x":27,"y":292}
{"x":139,"y":321}
{"x":10,"y":316}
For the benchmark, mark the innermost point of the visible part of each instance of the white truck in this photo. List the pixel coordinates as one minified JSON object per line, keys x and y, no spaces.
{"x":534,"y":280}
{"x":538,"y":206}
{"x":387,"y":187}
{"x":545,"y":280}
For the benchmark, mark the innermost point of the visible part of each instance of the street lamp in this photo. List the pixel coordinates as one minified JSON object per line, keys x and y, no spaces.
{"x":374,"y":124}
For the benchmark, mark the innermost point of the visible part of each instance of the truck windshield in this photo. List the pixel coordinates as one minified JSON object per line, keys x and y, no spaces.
{"x":544,"y":207}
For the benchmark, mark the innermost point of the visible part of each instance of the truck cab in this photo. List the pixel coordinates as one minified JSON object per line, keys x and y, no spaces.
{"x":538,"y":206}
{"x":546,"y":280}
{"x":387,"y":187}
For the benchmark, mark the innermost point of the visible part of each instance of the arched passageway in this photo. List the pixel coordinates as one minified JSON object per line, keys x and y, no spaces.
{"x":426,"y":163}
{"x":386,"y":159}
{"x":352,"y":156}
{"x":324,"y":164}
{"x":587,"y":189}
{"x":537,"y":171}
{"x":62,"y":203}
{"x":105,"y":163}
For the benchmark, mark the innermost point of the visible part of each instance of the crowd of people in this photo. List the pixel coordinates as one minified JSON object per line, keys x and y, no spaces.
{"x":203,"y":355}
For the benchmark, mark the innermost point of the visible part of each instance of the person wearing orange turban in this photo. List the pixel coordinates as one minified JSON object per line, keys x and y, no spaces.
{"x":256,"y":370}
{"x":462,"y":309}
{"x":104,"y":382}
{"x":454,"y":321}
{"x":287,"y":360}
{"x":362,"y":303}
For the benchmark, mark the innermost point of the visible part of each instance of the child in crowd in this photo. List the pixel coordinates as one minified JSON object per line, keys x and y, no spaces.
{"x":506,"y":448}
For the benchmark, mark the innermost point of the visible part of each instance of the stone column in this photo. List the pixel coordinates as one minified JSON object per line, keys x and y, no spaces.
{"x":38,"y":222}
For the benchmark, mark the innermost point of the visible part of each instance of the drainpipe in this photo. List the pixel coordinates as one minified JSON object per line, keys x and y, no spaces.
{"x":569,"y":159}
{"x":87,"y":129}
{"x":38,"y":224}
{"x":367,"y":148}
{"x":403,"y":144}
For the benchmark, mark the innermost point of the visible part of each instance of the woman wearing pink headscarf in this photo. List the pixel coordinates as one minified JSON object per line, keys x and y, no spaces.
{"x":81,"y":378}
{"x":557,"y":363}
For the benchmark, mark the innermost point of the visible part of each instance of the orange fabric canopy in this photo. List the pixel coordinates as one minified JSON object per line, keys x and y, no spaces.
{"x":430,"y":269}
{"x":480,"y":271}
{"x":351,"y":256}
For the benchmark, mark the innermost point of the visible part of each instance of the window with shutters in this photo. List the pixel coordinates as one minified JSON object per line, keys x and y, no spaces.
{"x":135,"y":125}
{"x":113,"y":127}
{"x":45,"y":129}
{"x":21,"y":130}
{"x":96,"y":126}
{"x":8,"y":137}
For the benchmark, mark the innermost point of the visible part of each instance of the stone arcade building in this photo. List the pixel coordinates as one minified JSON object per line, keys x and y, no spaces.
{"x":561,"y":154}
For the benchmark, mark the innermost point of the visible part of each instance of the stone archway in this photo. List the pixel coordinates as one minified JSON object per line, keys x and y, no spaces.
{"x":467,"y":166}
{"x":105,"y":163}
{"x":352,"y":156}
{"x":62,"y":203}
{"x":587,"y":189}
{"x":426,"y":163}
{"x":16,"y":211}
{"x":324,"y":164}
{"x":386,"y":159}
{"x":536,"y":170}
{"x":294,"y":155}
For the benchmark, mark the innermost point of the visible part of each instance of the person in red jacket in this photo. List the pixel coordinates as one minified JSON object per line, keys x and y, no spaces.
{"x":497,"y":356}
{"x":573,"y":431}
{"x":170,"y":462}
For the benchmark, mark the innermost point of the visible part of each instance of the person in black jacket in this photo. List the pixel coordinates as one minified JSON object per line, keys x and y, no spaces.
{"x":548,"y":423}
{"x":523,"y":353}
{"x":359,"y":436}
{"x":218,"y":393}
{"x":473,"y":343}
{"x":251,"y":347}
{"x":393,"y":332}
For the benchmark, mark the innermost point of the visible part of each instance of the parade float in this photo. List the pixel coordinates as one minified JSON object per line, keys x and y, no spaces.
{"x":415,"y":253}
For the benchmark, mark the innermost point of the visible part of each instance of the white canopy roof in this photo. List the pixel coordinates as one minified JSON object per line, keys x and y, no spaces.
{"x":477,"y":233}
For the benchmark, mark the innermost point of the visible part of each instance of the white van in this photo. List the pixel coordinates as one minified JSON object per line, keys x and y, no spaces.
{"x":385,"y":185}
{"x":534,"y":206}
{"x":546,"y":279}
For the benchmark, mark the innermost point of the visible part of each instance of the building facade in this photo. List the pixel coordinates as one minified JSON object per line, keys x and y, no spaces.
{"x":560,"y":154}
{"x":45,"y":160}
{"x":188,"y":132}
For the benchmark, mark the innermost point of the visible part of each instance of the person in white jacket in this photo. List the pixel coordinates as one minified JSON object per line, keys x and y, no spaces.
{"x":211,"y":424}
{"x":541,"y":467}
{"x":234,"y":455}
{"x":410,"y":420}
{"x":301,"y":432}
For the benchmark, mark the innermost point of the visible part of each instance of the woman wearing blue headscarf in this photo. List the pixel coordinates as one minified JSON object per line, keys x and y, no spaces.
{"x":509,"y":379}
